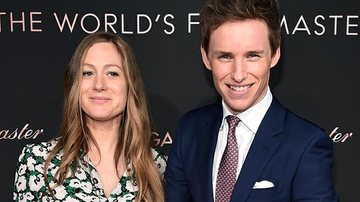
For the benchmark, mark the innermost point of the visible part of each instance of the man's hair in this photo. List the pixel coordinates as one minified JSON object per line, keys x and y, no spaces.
{"x":217,"y":12}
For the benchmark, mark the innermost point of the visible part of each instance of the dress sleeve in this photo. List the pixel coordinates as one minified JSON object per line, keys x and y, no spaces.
{"x":29,"y":182}
{"x":160,"y":161}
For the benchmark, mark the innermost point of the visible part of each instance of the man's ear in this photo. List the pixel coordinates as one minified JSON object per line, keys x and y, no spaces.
{"x":205,"y":58}
{"x":275,"y":58}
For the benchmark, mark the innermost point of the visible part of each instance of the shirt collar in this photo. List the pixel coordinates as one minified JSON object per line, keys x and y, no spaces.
{"x":253,"y":116}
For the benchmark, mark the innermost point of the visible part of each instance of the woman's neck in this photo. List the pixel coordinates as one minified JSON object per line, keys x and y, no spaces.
{"x":106,"y":137}
{"x":102,"y":157}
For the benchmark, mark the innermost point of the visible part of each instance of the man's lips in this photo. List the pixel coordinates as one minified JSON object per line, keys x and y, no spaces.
{"x":239,"y":88}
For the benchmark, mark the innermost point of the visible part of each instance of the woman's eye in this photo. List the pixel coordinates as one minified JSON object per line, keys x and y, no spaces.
{"x":87,"y":73}
{"x":113,"y":74}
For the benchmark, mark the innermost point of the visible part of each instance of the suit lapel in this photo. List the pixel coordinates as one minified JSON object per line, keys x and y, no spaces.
{"x":261,"y":150}
{"x":207,"y":138}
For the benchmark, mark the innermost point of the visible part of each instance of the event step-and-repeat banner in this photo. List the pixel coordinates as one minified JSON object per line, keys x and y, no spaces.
{"x":317,"y":77}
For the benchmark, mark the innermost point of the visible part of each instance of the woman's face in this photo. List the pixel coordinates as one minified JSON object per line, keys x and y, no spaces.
{"x":103,"y":87}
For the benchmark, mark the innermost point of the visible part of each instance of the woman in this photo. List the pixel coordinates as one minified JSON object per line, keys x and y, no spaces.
{"x":104,"y":150}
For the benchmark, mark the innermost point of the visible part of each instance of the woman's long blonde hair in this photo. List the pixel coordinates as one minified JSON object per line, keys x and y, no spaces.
{"x":134,"y":140}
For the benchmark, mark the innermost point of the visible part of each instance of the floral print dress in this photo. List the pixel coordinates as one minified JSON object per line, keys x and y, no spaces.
{"x":83,"y":186}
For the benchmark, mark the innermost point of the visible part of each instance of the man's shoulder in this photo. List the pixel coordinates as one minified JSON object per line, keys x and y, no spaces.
{"x":300,"y":129}
{"x":204,"y":111}
{"x":294,"y":120}
{"x":201,"y":116}
{"x":297,"y":121}
{"x":296,"y":126}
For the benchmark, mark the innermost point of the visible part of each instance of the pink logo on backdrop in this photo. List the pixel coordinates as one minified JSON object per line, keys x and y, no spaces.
{"x":24,"y":132}
{"x":159,"y":141}
{"x":338,"y":136}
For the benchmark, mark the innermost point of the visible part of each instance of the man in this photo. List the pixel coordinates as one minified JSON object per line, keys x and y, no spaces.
{"x":247,"y":147}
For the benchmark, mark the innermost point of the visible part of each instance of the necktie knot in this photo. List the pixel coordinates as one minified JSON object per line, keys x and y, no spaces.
{"x":233,"y":121}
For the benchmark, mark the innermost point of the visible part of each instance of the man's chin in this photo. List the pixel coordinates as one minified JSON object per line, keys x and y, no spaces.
{"x":236,"y":107}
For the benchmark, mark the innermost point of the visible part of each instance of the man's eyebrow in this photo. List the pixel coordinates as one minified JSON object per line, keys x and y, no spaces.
{"x":255,"y":52}
{"x":222,"y":52}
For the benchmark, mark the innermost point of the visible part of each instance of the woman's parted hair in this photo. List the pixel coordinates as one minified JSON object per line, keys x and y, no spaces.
{"x":217,"y":12}
{"x":134,"y":140}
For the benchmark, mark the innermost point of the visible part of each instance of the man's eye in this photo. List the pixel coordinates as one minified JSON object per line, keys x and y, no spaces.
{"x":253,"y":55}
{"x":87,"y":73}
{"x":225,"y":57}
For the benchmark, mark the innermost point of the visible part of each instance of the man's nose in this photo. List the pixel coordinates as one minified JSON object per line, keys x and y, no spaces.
{"x":239,"y":71}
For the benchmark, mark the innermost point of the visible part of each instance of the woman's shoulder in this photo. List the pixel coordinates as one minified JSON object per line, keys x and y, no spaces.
{"x":38,"y":150}
{"x":29,"y":175}
{"x":160,"y":159}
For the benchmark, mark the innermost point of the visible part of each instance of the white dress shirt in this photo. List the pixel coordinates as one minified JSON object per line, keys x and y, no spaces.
{"x":245,"y":132}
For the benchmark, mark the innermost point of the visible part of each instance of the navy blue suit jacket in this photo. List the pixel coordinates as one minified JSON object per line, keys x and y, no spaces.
{"x":287,"y":150}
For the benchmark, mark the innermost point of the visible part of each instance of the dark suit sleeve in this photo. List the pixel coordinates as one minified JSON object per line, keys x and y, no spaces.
{"x":313,"y":179}
{"x":176,"y":188}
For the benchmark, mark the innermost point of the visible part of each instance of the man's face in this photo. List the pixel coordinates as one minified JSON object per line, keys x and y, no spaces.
{"x":240,"y":59}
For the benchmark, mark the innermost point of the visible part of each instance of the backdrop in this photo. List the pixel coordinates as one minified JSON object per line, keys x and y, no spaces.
{"x":317,"y":76}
